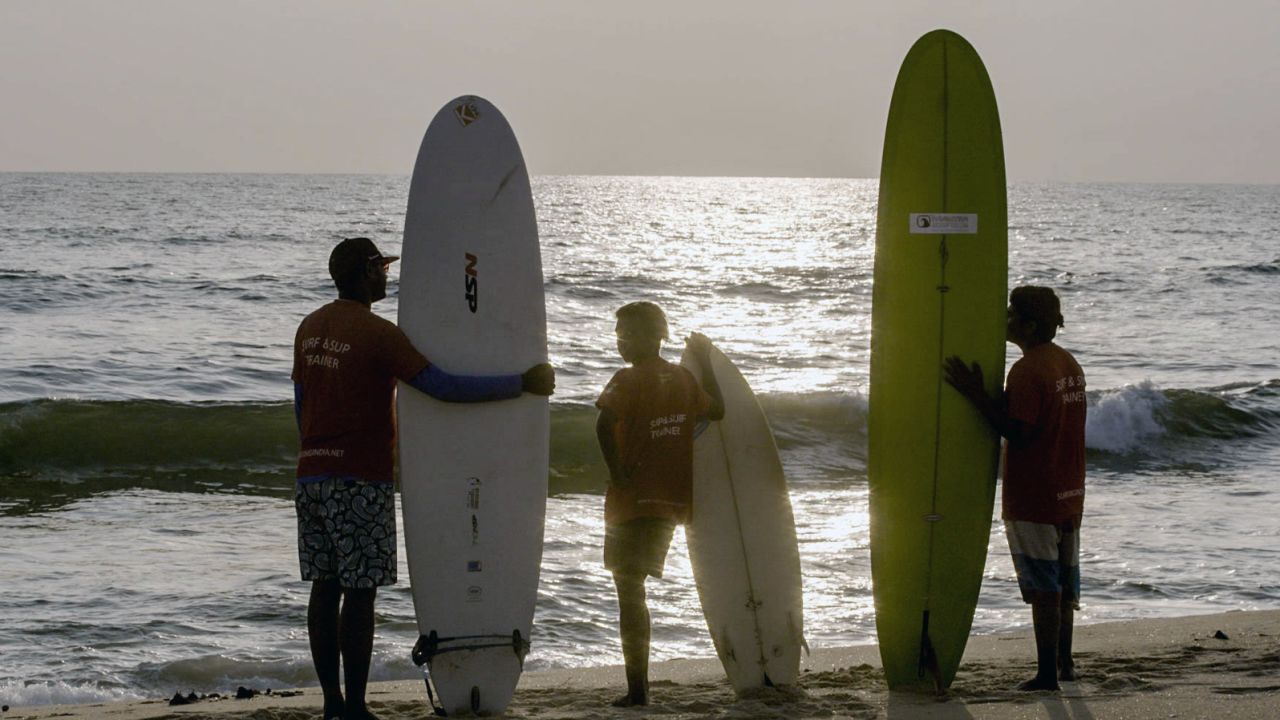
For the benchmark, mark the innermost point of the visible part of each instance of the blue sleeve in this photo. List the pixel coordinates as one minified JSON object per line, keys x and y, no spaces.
{"x":297,"y":404}
{"x":466,"y":388}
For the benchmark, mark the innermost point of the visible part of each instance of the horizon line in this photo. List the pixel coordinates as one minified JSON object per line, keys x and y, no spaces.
{"x":1042,"y":181}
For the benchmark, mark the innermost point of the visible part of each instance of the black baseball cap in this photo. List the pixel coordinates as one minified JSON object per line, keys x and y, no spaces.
{"x":1038,"y":303}
{"x":353,"y":255}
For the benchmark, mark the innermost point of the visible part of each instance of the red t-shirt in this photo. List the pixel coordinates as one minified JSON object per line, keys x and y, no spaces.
{"x":1044,"y":481}
{"x":657,"y":404}
{"x":347,"y":361}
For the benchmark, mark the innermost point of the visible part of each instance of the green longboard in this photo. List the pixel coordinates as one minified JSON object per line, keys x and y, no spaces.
{"x":941,"y":274}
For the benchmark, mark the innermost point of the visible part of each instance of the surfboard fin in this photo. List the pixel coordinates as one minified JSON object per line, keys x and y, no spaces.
{"x":797,"y":634}
{"x":929,"y":657}
{"x":520,"y":645}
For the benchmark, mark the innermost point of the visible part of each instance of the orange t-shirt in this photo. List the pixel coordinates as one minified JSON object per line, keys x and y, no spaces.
{"x":1044,"y":481}
{"x":347,"y":361}
{"x":657,"y":404}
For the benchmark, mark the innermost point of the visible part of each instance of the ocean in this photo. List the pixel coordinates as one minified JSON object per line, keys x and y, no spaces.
{"x":147,"y":439}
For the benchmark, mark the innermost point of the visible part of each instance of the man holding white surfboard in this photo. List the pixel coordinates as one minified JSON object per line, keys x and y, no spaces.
{"x":347,"y":361}
{"x":648,"y":413}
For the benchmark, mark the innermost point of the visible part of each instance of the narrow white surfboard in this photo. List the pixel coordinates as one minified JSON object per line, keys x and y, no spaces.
{"x":473,"y":476}
{"x":742,"y":540}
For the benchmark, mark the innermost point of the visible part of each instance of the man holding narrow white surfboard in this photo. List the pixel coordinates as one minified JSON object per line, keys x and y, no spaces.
{"x":648,"y":413}
{"x":471,"y":296}
{"x":723,"y":480}
{"x":346,"y":364}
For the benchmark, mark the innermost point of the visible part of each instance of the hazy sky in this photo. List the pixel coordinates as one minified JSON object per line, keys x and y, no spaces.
{"x":1125,"y":90}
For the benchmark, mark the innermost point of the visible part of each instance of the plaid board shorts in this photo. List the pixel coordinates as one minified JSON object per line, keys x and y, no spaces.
{"x":1046,"y":558}
{"x":639,"y":546}
{"x":347,"y":532}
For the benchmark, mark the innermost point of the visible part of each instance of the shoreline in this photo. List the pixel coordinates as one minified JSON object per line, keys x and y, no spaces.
{"x":1148,"y":668}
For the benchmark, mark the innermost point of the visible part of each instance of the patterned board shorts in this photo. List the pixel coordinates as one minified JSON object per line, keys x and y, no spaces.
{"x":1047,"y":559}
{"x":638,"y":547}
{"x":347,"y":532}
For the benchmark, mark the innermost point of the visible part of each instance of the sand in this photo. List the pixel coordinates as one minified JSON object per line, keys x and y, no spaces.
{"x":1208,"y":666}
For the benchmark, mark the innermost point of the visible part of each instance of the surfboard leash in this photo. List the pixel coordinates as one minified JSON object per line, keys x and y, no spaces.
{"x":428,"y":646}
{"x":436,"y":710}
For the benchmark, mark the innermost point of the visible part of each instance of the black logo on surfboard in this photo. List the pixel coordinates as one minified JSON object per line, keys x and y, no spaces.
{"x":473,"y":283}
{"x":466,"y":113}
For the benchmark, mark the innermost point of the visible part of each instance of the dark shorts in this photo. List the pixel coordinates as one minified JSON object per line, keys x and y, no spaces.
{"x":1047,"y":559}
{"x":347,"y":532}
{"x":638,"y":547}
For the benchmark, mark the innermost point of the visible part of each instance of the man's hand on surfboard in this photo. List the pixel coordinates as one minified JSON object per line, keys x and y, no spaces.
{"x":539,"y":379}
{"x":966,"y":379}
{"x":700,"y":346}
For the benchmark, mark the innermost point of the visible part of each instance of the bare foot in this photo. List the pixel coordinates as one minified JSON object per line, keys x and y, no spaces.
{"x":630,"y":701}
{"x":1039,"y":684}
{"x":1067,"y":673}
{"x":334,"y":711}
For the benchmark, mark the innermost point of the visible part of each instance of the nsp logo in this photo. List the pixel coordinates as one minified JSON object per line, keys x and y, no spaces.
{"x":473,"y":283}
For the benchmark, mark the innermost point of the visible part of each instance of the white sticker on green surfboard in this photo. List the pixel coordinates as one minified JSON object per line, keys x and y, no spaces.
{"x":943,"y":224}
{"x":940,"y":290}
{"x":742,"y":540}
{"x":471,"y":299}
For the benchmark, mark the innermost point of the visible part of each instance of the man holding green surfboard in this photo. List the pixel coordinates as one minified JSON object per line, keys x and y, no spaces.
{"x":1042,"y":415}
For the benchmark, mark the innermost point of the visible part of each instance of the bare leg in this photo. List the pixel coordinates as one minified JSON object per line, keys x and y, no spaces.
{"x":633,"y":626}
{"x":357,"y":649}
{"x":324,"y":629}
{"x":1046,"y":616}
{"x":1066,"y":665}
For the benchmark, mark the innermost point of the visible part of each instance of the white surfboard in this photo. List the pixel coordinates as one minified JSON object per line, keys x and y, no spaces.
{"x":473,"y":477}
{"x":742,"y":540}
